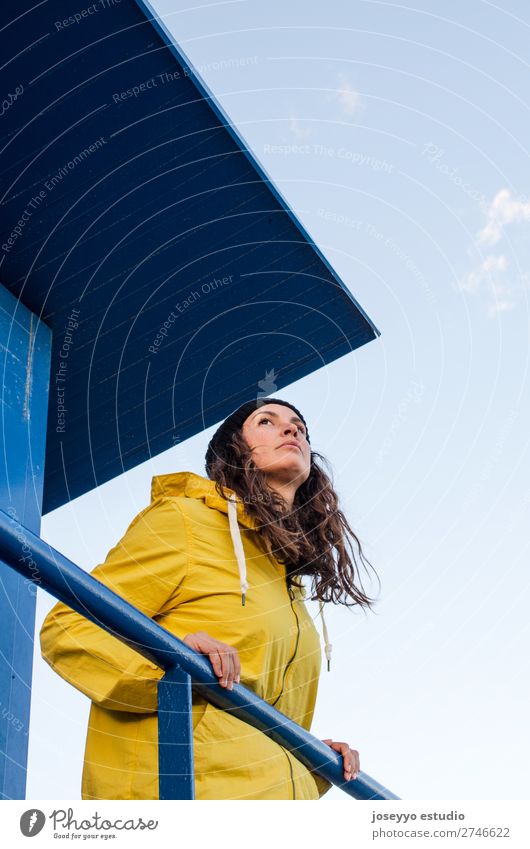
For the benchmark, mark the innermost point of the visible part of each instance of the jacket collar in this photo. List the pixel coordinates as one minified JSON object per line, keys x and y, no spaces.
{"x":192,"y":485}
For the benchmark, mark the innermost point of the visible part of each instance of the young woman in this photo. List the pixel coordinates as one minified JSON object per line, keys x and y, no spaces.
{"x":217,"y":561}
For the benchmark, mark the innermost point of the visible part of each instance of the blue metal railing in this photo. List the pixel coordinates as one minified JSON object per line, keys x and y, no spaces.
{"x":41,"y":564}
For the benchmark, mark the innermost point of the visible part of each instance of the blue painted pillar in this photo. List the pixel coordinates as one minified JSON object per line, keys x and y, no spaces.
{"x":176,"y":775}
{"x":25,"y":348}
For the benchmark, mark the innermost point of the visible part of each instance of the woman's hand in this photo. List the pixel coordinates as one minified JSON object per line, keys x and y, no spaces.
{"x":352,"y":764}
{"x":224,"y":658}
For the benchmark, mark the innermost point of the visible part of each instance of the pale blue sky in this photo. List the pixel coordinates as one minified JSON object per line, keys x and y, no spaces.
{"x":399,"y":136}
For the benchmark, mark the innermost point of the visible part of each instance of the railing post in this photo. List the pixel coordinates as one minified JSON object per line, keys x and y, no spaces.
{"x":25,"y":346}
{"x":175,"y":736}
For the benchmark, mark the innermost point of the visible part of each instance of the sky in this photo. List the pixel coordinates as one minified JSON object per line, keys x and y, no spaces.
{"x":399,"y":136}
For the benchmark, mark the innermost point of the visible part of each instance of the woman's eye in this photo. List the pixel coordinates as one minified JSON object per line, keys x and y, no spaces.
{"x":300,"y":428}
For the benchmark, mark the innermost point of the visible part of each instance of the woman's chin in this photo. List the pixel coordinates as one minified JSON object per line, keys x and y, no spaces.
{"x":285,"y":473}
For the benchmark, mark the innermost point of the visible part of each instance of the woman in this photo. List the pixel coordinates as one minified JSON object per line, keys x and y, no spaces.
{"x":217,"y":561}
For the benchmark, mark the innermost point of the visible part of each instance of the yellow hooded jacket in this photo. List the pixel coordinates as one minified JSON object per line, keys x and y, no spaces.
{"x":179,"y":563}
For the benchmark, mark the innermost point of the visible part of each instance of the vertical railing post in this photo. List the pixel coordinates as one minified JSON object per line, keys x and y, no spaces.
{"x":25,"y":351}
{"x":175,"y":736}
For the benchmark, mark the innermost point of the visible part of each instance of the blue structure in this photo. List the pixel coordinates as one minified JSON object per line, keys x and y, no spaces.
{"x":152,"y":277}
{"x":25,"y":360}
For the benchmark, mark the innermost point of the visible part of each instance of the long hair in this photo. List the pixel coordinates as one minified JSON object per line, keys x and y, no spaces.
{"x":313,"y":539}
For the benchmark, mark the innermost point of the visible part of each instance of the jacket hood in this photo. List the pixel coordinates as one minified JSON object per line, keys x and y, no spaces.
{"x":192,"y":485}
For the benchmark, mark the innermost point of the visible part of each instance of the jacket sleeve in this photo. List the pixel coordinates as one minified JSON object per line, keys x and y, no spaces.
{"x":146,"y":568}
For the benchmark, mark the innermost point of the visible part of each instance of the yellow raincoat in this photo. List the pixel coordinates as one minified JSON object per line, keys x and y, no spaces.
{"x":178,"y":563}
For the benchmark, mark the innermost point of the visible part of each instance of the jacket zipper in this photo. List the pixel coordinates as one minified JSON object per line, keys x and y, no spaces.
{"x":291,"y":772}
{"x":289,"y":662}
{"x":291,"y":599}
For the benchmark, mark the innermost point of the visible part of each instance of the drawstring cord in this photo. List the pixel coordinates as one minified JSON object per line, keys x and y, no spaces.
{"x":327,"y":645}
{"x":238,"y":546}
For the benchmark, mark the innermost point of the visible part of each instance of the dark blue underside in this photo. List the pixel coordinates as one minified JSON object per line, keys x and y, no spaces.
{"x":141,"y":210}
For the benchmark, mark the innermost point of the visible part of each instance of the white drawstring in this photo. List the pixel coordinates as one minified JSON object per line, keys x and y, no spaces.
{"x":327,"y":645}
{"x":238,"y":546}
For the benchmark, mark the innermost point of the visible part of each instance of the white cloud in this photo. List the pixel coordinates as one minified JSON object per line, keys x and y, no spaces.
{"x":498,"y":306}
{"x":495,"y":263}
{"x":349,"y":99}
{"x":489,"y":276}
{"x":503,"y":209}
{"x":472,"y":281}
{"x":298,"y":129}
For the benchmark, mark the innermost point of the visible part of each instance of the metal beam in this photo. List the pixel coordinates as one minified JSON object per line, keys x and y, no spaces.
{"x":176,"y":775}
{"x":25,"y":345}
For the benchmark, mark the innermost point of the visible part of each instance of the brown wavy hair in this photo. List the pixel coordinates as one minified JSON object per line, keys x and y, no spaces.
{"x":313,"y":539}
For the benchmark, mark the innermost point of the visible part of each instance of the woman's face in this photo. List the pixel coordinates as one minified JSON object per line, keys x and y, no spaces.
{"x":277,"y":441}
